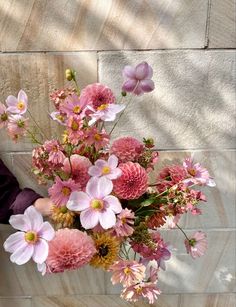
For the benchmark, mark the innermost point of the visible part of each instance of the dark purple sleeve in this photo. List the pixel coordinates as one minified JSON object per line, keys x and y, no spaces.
{"x":13,"y":200}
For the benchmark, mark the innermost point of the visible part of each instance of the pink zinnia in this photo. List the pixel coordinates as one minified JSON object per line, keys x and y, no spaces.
{"x":106,"y":169}
{"x":127,"y":149}
{"x":197,"y":244}
{"x":55,"y":154}
{"x":31,"y":240}
{"x":127,"y":272}
{"x":124,"y":224}
{"x":80,"y":166}
{"x":132,"y":183}
{"x":17,"y":105}
{"x":3,"y":115}
{"x":69,"y":250}
{"x":99,"y":139}
{"x":61,"y":190}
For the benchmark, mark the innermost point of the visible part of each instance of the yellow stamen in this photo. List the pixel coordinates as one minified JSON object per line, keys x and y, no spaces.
{"x":103,"y":107}
{"x":66,"y":191}
{"x":97,"y":137}
{"x":74,"y":126}
{"x":20,"y":105}
{"x":76,"y":109}
{"x":106,"y":170}
{"x":127,"y":271}
{"x":138,"y":290}
{"x":97,"y":204}
{"x":31,"y":237}
{"x":192,"y":172}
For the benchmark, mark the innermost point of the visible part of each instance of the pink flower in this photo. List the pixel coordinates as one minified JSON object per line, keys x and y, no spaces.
{"x":171,"y":221}
{"x":61,"y":191}
{"x":96,"y":95}
{"x":58,"y":96}
{"x":17,"y":105}
{"x":106,"y":169}
{"x":96,"y":205}
{"x":138,"y":79}
{"x":31,"y":240}
{"x":127,"y":149}
{"x":106,"y":112}
{"x":132,"y":183}
{"x":197,"y":174}
{"x":147,"y":290}
{"x":127,"y":272}
{"x":197,"y":244}
{"x":17,"y":126}
{"x":58,"y":117}
{"x":80,"y":166}
{"x":125,"y":221}
{"x":99,"y":139}
{"x":169,"y":176}
{"x":69,"y":250}
{"x":75,"y":132}
{"x":72,"y":105}
{"x":3,"y":115}
{"x":55,"y":154}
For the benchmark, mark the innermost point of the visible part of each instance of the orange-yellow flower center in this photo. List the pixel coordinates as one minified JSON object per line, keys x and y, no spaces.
{"x":63,"y":210}
{"x":31,"y":237}
{"x":4,"y":117}
{"x":123,"y":220}
{"x":74,"y":126}
{"x":66,"y":191}
{"x":127,"y":271}
{"x":103,"y":107}
{"x":76,"y":109}
{"x":20,"y":105}
{"x":106,"y":170}
{"x":60,"y":117}
{"x":138,"y":290}
{"x":97,"y":137}
{"x":97,"y":204}
{"x":192,"y":172}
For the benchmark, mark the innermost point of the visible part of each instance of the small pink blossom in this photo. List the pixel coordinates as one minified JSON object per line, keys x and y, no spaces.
{"x":106,"y":112}
{"x":58,"y":96}
{"x":58,"y":117}
{"x":171,"y":221}
{"x":55,"y":154}
{"x":17,"y":105}
{"x":99,"y":139}
{"x":31,"y":240}
{"x":3,"y":115}
{"x":138,"y":79}
{"x":17,"y":126}
{"x":75,"y":132}
{"x":197,"y":244}
{"x":124,"y":224}
{"x":72,"y":105}
{"x":106,"y":169}
{"x":96,"y":205}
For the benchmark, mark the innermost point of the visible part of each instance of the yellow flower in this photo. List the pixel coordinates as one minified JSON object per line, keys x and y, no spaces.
{"x":62,"y":216}
{"x":107,"y":250}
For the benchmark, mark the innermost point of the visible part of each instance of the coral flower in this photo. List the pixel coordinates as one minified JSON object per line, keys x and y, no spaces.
{"x":138,"y":79}
{"x":31,"y":240}
{"x":127,"y":272}
{"x":106,"y":169}
{"x":125,"y":221}
{"x":132,"y":183}
{"x":197,"y":244}
{"x":96,"y":205}
{"x":3,"y":115}
{"x":169,"y":176}
{"x":69,"y":250}
{"x":55,"y":154}
{"x":17,"y":105}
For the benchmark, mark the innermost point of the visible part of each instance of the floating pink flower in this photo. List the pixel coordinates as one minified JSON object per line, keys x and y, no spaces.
{"x":138,"y":79}
{"x":106,"y":169}
{"x":61,"y":191}
{"x":127,"y":272}
{"x":17,"y":105}
{"x":17,"y":126}
{"x":132,"y":183}
{"x":69,"y":250}
{"x":3,"y":115}
{"x":99,"y":139}
{"x":55,"y":154}
{"x":31,"y":240}
{"x":124,"y":224}
{"x":197,"y":244}
{"x":127,"y":149}
{"x":197,"y":174}
{"x":96,"y":205}
{"x":72,"y":105}
{"x":106,"y":112}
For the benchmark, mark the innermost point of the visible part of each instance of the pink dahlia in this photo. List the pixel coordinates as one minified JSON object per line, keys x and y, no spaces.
{"x":69,"y":250}
{"x":97,"y":94}
{"x":197,"y":244}
{"x":127,"y":149}
{"x":80,"y":166}
{"x":132,"y":183}
{"x":124,"y":223}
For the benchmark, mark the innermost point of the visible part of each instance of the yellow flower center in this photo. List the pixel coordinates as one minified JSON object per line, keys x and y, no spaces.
{"x":31,"y":237}
{"x":4,"y":117}
{"x":20,"y":105}
{"x":63,"y":210}
{"x":103,"y":107}
{"x":76,"y":109}
{"x":106,"y":170}
{"x":97,"y":137}
{"x":97,"y":204}
{"x":60,"y":117}
{"x":127,"y":271}
{"x":138,"y":290}
{"x":192,"y":172}
{"x":66,"y":191}
{"x":123,"y":220}
{"x":74,"y":126}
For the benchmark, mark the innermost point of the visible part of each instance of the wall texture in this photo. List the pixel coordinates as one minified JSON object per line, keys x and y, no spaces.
{"x":191,"y":46}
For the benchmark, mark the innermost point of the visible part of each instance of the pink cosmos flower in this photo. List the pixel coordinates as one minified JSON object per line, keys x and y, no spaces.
{"x":17,"y":126}
{"x":132,"y":183}
{"x":127,"y":272}
{"x":106,"y":169}
{"x":138,"y":79}
{"x":31,"y":240}
{"x":171,"y":221}
{"x":99,"y":139}
{"x":197,"y":174}
{"x":58,"y":96}
{"x":197,"y":244}
{"x":69,"y":250}
{"x":17,"y":105}
{"x":61,"y":191}
{"x":106,"y":112}
{"x":3,"y":115}
{"x":96,"y":205}
{"x":127,"y":149}
{"x":72,"y":105}
{"x":125,"y":221}
{"x":75,"y":133}
{"x":58,"y":117}
{"x":55,"y":154}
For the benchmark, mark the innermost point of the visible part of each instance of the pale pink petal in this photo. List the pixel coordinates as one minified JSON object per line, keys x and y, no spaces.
{"x":114,"y":203}
{"x":138,"y":91}
{"x":22,"y":96}
{"x":92,"y":187}
{"x":11,"y":101}
{"x":112,"y":161}
{"x":116,"y":173}
{"x":105,"y":187}
{"x":22,"y":254}
{"x":40,"y":251}
{"x":100,"y":163}
{"x":89,"y":218}
{"x":14,"y":241}
{"x":129,"y":85}
{"x":78,"y":201}
{"x":147,"y":85}
{"x":42,"y":268}
{"x":128,"y":72}
{"x":142,"y":71}
{"x":107,"y":219}
{"x":20,"y":221}
{"x":34,"y":217}
{"x":94,"y":171}
{"x":13,"y":109}
{"x":46,"y":231}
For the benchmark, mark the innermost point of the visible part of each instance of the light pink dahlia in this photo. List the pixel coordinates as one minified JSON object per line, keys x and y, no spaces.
{"x":197,"y":244}
{"x":132,"y":183}
{"x":127,"y":149}
{"x":69,"y":250}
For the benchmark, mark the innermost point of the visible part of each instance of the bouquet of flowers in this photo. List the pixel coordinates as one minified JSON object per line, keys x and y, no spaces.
{"x":107,"y":212}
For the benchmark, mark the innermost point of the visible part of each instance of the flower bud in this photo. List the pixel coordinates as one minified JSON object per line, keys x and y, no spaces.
{"x":123,"y":93}
{"x":70,"y":74}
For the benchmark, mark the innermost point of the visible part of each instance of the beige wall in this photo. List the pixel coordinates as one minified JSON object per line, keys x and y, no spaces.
{"x":191,"y":46}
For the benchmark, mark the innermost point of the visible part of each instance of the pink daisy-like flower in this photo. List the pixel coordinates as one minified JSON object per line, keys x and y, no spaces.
{"x":72,"y":105}
{"x":61,"y":191}
{"x":80,"y":166}
{"x":106,"y":169}
{"x":127,"y":149}
{"x":17,"y":126}
{"x":132,"y":183}
{"x":127,"y":272}
{"x":99,"y":139}
{"x":197,"y":174}
{"x":58,"y":117}
{"x":106,"y":112}
{"x":58,"y":96}
{"x":96,"y":205}
{"x":197,"y":244}
{"x":17,"y":105}
{"x":31,"y":240}
{"x":138,"y":79}
{"x":96,"y":95}
{"x":55,"y":154}
{"x":3,"y":115}
{"x":69,"y":250}
{"x":75,"y":132}
{"x":124,"y":224}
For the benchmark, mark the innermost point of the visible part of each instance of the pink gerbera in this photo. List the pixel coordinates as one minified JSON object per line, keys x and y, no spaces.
{"x":124,"y":224}
{"x":132,"y":183}
{"x":61,"y":190}
{"x":127,"y":149}
{"x":55,"y":154}
{"x":197,"y":244}
{"x":3,"y":115}
{"x":69,"y":250}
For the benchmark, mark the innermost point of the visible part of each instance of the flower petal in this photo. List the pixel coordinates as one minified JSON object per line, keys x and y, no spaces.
{"x":142,"y":71}
{"x":34,"y":217}
{"x":113,"y":161}
{"x":116,"y":173}
{"x":40,"y":251}
{"x":46,"y":231}
{"x":100,"y":163}
{"x":92,"y":187}
{"x":20,"y":221}
{"x":22,"y":254}
{"x":11,"y":101}
{"x":105,"y":187}
{"x":14,"y":241}
{"x":89,"y":218}
{"x":22,"y":96}
{"x":147,"y":85}
{"x":78,"y":201}
{"x":128,"y":72}
{"x":129,"y":85}
{"x":94,"y":171}
{"x":114,"y":203}
{"x":107,"y":219}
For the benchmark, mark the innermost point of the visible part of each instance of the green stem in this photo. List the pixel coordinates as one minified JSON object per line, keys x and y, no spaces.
{"x":40,"y":130}
{"x":33,"y":137}
{"x":182,"y":231}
